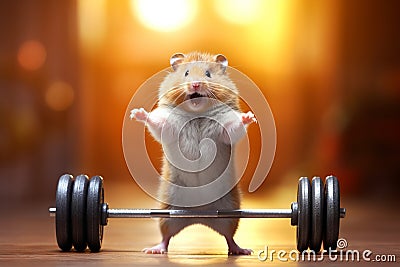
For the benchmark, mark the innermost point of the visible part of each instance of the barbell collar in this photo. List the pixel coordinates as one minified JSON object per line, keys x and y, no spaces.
{"x":342,"y":212}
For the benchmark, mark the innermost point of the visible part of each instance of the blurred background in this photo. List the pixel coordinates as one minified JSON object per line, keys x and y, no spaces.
{"x":330,"y":71}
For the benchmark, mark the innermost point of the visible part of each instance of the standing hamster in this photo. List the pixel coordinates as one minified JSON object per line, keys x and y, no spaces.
{"x":197,"y":101}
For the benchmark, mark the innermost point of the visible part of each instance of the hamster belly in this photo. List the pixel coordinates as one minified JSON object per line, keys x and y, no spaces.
{"x":220,"y":167}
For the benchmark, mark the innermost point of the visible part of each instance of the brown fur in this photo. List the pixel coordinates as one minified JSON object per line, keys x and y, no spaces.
{"x":173,"y":89}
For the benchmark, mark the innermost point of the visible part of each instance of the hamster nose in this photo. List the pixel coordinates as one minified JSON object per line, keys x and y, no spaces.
{"x":196,"y":86}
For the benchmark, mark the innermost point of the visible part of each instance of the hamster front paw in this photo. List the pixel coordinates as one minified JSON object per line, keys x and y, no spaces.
{"x":248,"y":118}
{"x":139,"y":114}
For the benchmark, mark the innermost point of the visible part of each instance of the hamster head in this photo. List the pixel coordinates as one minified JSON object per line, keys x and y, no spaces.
{"x":198,"y":82}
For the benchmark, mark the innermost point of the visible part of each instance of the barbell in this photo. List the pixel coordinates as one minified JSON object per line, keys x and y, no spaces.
{"x":81,"y":214}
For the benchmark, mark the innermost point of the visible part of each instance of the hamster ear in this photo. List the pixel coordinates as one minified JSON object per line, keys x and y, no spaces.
{"x":221,"y":59}
{"x":176,"y":59}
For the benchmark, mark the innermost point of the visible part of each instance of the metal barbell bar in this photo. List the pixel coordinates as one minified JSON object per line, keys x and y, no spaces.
{"x":162,"y":213}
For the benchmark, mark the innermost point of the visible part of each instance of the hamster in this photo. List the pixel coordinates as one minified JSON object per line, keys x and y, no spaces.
{"x":193,"y":101}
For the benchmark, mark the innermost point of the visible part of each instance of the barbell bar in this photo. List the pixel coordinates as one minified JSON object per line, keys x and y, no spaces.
{"x":163,"y":213}
{"x":81,"y":213}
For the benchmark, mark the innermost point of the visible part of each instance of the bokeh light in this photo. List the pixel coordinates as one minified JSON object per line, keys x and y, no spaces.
{"x":31,"y":55}
{"x":91,"y":23}
{"x":240,"y":11}
{"x":59,"y":96}
{"x":162,"y":15}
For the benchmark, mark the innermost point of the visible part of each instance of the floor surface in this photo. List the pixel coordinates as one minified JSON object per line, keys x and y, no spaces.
{"x":27,"y":237}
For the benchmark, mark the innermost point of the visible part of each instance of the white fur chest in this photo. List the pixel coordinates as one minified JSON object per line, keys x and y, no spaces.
{"x":194,"y":151}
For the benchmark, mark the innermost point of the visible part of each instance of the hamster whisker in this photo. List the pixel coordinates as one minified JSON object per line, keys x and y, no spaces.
{"x":179,"y":95}
{"x":210,"y":94}
{"x":172,"y":91}
{"x":221,"y":92}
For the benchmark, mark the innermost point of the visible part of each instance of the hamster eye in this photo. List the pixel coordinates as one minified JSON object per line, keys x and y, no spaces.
{"x":187,"y":73}
{"x":208,"y":74}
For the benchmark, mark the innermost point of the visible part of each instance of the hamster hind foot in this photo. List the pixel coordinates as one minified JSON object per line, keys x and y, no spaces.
{"x":161,"y":248}
{"x":234,"y":249}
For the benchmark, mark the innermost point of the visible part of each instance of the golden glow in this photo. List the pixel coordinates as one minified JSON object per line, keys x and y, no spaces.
{"x":31,"y":55}
{"x":268,"y":30}
{"x":271,"y":36}
{"x":164,"y":15}
{"x":240,"y":11}
{"x":91,"y":22}
{"x":59,"y":96}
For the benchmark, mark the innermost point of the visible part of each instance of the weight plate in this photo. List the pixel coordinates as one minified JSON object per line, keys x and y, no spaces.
{"x":78,"y":212}
{"x":63,"y":212}
{"x":304,"y":214}
{"x":332,"y":212}
{"x":317,"y":214}
{"x":95,"y":200}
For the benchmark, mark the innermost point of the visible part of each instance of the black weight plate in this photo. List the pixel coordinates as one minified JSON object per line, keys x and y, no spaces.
{"x":78,"y":212}
{"x":332,"y":212}
{"x":317,"y":214}
{"x":95,"y":200}
{"x":304,"y":214}
{"x":63,"y":212}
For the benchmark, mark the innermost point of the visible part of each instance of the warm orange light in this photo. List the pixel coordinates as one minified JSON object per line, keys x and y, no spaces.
{"x":31,"y":55}
{"x":59,"y":96}
{"x":91,"y":22}
{"x":164,"y":15}
{"x":269,"y":33}
{"x":240,"y":11}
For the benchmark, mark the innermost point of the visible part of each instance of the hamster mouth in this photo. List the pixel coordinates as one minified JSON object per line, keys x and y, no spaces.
{"x":195,"y":95}
{"x":195,"y":98}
